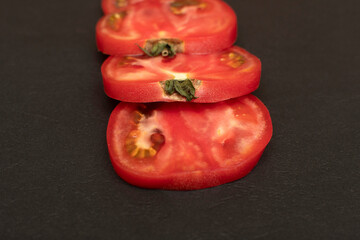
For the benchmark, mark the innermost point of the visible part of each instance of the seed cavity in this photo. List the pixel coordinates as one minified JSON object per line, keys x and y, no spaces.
{"x":137,"y":117}
{"x":114,"y":20}
{"x":120,"y":3}
{"x":178,"y":7}
{"x":233,"y":59}
{"x":144,"y":141}
{"x":126,"y":61}
{"x":157,"y":139}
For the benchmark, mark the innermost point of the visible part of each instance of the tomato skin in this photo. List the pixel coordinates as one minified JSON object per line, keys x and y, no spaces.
{"x":116,"y":43}
{"x":174,"y":178}
{"x":188,"y":181}
{"x":218,"y":83}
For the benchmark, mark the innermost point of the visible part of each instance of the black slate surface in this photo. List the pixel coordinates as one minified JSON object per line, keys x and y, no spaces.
{"x":56,"y":180}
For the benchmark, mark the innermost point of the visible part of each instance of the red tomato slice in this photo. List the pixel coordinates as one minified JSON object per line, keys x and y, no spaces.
{"x":219,"y":76}
{"x":186,"y":146}
{"x":193,"y":26}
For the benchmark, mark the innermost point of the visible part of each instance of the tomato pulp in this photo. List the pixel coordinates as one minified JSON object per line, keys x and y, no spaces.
{"x":191,"y":26}
{"x":215,"y":77}
{"x":185,"y":146}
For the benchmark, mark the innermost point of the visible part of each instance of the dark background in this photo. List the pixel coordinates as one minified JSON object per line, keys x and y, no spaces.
{"x":56,"y":178}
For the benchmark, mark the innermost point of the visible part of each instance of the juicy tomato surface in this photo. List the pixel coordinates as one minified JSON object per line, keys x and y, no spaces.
{"x":192,"y":26}
{"x":185,"y":146}
{"x":215,"y":77}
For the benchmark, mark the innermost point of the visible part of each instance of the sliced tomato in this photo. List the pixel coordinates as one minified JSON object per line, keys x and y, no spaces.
{"x":186,"y":146}
{"x":191,"y":26}
{"x":215,"y":77}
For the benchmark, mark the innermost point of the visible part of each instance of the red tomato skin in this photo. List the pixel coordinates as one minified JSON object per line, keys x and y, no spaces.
{"x":190,"y":180}
{"x":210,"y":43}
{"x":210,"y":91}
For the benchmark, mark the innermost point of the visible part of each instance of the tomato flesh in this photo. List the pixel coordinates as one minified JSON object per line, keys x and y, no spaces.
{"x":185,"y":146}
{"x":207,"y":26}
{"x":219,"y":76}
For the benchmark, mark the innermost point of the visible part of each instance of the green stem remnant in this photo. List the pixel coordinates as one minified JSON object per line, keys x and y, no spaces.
{"x":183,"y":87}
{"x":163,"y":48}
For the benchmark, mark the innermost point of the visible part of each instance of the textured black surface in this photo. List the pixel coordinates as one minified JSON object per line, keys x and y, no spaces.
{"x":56,"y":180}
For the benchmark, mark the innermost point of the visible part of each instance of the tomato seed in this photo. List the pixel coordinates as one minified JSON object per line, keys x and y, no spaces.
{"x":120,"y":3}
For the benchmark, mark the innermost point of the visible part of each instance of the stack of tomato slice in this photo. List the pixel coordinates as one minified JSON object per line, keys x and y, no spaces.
{"x":186,"y":120}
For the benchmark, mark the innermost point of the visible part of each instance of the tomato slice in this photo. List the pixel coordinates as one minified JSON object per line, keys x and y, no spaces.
{"x":215,"y":77}
{"x":191,"y":26}
{"x":187,"y":146}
